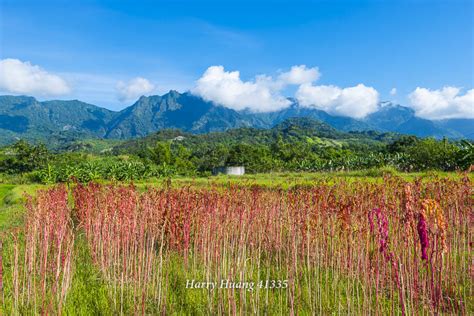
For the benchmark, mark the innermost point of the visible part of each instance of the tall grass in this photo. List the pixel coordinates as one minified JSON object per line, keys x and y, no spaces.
{"x":395,"y":247}
{"x":42,"y":257}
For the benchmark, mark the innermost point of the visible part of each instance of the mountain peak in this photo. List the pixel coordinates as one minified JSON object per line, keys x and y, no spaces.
{"x":388,"y":107}
{"x":386,"y":103}
{"x":174,"y":93}
{"x":25,"y":117}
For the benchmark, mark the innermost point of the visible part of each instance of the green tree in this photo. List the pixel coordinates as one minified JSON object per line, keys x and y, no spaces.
{"x":432,"y":154}
{"x":23,"y":157}
{"x":401,"y":144}
{"x":255,"y":158}
{"x":465,"y":156}
{"x":181,"y":160}
{"x":161,"y":153}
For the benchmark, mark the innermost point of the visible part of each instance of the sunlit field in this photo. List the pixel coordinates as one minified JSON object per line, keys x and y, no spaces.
{"x":337,"y":243}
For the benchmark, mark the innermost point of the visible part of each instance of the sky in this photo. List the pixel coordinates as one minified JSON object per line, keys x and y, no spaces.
{"x":341,"y":56}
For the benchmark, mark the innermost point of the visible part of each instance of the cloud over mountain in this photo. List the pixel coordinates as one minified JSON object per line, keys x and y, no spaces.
{"x":445,"y":103}
{"x":265,"y":94}
{"x":20,"y":77}
{"x":134,"y":88}
{"x":226,"y":88}
{"x":356,"y":102}
{"x":262,"y":93}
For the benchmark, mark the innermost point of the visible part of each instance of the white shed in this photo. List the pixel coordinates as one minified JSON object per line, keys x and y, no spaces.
{"x":234,"y":170}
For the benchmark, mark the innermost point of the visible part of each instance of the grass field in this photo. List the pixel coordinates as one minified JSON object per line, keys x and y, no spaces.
{"x":323,"y":243}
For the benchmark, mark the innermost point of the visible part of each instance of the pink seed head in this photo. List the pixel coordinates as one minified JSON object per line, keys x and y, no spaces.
{"x":423,"y":234}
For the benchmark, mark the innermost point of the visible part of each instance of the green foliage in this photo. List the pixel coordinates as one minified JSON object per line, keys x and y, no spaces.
{"x":430,"y":154}
{"x":402,"y":143}
{"x":111,"y":168}
{"x":22,"y":157}
{"x":161,"y":153}
{"x":256,"y":158}
{"x":89,"y":293}
{"x":296,"y":145}
{"x":465,"y":155}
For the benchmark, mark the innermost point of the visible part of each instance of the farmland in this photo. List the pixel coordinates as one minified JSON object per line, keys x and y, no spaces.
{"x":236,"y":158}
{"x":320,"y":243}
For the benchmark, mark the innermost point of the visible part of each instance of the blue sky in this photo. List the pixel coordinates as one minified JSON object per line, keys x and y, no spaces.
{"x":93,"y":45}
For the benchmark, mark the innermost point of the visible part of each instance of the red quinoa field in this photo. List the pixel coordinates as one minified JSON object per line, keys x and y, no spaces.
{"x":345,"y":247}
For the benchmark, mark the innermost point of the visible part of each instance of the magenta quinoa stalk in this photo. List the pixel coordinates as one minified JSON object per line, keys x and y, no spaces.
{"x":423,"y":235}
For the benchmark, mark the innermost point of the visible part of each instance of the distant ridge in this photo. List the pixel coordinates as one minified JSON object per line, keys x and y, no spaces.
{"x":27,"y":118}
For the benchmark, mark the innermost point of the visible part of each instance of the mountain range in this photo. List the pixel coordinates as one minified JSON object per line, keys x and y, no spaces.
{"x":27,"y":118}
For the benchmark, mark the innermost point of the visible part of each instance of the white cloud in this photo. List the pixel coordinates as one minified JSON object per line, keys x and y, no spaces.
{"x":444,"y":103}
{"x":227,"y":89}
{"x":264,"y":94}
{"x":20,"y":77}
{"x":134,"y":88}
{"x":299,"y":75}
{"x":356,"y":102}
{"x":393,"y":91}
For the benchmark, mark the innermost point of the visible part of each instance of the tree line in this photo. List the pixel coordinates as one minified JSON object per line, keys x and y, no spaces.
{"x":166,"y":158}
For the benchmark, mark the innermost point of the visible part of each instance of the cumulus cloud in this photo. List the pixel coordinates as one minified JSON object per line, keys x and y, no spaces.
{"x":226,"y":88}
{"x":20,"y":77}
{"x":134,"y":88}
{"x":444,"y":103}
{"x":393,"y":91}
{"x":299,"y":75}
{"x":265,"y":93}
{"x":356,"y":102}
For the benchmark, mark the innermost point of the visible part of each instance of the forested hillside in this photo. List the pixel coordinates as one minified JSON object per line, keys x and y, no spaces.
{"x":296,"y":145}
{"x":59,"y":122}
